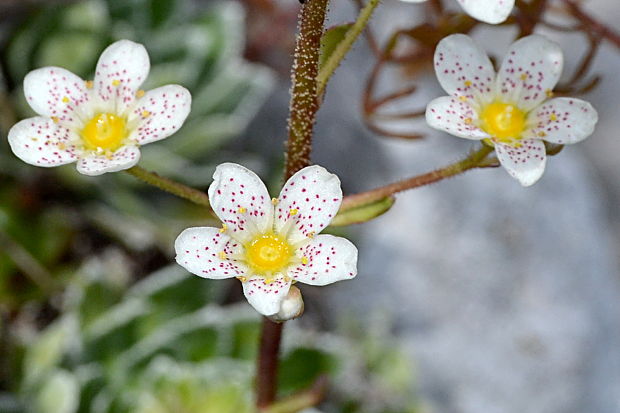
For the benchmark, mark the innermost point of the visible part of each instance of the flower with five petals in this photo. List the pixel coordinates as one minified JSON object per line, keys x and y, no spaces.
{"x":270,"y":243}
{"x":99,"y":124}
{"x":513,"y":110}
{"x":488,"y":11}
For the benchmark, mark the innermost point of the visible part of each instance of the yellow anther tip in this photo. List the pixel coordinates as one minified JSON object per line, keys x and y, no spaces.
{"x":242,"y":210}
{"x":293,"y":211}
{"x":65,"y":99}
{"x":468,"y":83}
{"x":116,"y":82}
{"x":274,"y":201}
{"x":145,"y":113}
{"x":242,"y":279}
{"x":468,"y":121}
{"x":55,"y":119}
{"x":304,"y":260}
{"x":89,"y":84}
{"x":222,"y":255}
{"x":140,"y":93}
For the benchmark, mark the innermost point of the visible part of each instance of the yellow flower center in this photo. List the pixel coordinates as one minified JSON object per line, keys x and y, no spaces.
{"x":105,"y":131}
{"x":503,"y":121}
{"x":268,"y":253}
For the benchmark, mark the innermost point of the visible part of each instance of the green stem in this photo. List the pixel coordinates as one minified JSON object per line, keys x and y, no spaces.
{"x":474,"y":160}
{"x":345,"y":45}
{"x":304,"y":98}
{"x":168,"y":185}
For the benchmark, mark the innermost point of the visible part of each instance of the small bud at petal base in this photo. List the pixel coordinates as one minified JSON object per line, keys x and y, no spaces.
{"x":291,"y":307}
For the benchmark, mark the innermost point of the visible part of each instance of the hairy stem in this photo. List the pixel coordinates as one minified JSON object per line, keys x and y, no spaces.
{"x":345,"y":45}
{"x":304,"y":99}
{"x":474,"y":160}
{"x":267,"y":368}
{"x":168,"y":185}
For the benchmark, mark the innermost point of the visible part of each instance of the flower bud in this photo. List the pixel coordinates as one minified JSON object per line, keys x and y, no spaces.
{"x":292,"y":306}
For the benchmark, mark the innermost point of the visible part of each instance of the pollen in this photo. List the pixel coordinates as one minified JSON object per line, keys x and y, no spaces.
{"x":65,"y":100}
{"x":304,"y":260}
{"x":523,"y":76}
{"x":104,"y":131}
{"x":553,"y":117}
{"x":145,"y":113}
{"x":139,"y":93}
{"x":503,"y":121}
{"x":116,"y":82}
{"x":293,"y":212}
{"x":242,"y":278}
{"x":55,"y":119}
{"x":242,"y":210}
{"x":89,"y":84}
{"x":267,"y":254}
{"x":468,"y":121}
{"x":468,"y":83}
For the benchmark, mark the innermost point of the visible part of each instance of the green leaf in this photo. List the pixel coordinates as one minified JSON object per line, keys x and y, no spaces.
{"x":364,"y":212}
{"x":330,"y":40}
{"x":60,"y":394}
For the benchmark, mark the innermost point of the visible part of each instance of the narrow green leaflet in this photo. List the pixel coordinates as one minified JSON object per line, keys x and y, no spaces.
{"x":330,"y":40}
{"x":363,"y":213}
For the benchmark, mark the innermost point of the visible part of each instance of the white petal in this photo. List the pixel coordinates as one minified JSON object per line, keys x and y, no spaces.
{"x":54,"y":91}
{"x":330,"y":259}
{"x":454,"y":116}
{"x":310,"y":199}
{"x":413,"y":1}
{"x":526,"y":163}
{"x":266,"y":298}
{"x":41,"y":142}
{"x":562,"y":120}
{"x":162,"y":112}
{"x":239,"y":198}
{"x":464,"y":69}
{"x":530,"y":70}
{"x":199,"y":252}
{"x":123,"y":158}
{"x":121,"y":69}
{"x":488,"y":11}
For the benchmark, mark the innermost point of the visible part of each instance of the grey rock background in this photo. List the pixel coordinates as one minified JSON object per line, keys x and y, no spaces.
{"x":507,"y":298}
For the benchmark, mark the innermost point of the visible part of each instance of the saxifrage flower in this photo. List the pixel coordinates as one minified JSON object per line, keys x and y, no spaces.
{"x":488,"y":11}
{"x":99,"y":124}
{"x":270,"y":243}
{"x":513,"y":110}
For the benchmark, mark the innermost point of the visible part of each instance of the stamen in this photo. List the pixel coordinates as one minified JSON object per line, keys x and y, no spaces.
{"x":293,"y":212}
{"x":242,"y":210}
{"x":145,"y":114}
{"x":139,"y":93}
{"x":304,"y":260}
{"x":55,"y":119}
{"x":89,"y":84}
{"x":116,"y":82}
{"x":553,"y":117}
{"x":222,"y":255}
{"x":242,"y":278}
{"x":223,"y":229}
{"x":65,"y":99}
{"x":549,"y":93}
{"x":274,"y":201}
{"x":468,"y":83}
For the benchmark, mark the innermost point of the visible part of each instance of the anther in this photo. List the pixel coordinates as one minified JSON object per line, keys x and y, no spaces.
{"x":222,"y":255}
{"x":89,"y":84}
{"x":274,"y":201}
{"x":293,"y":211}
{"x":468,"y":121}
{"x":468,"y":83}
{"x":553,"y":117}
{"x":139,"y":93}
{"x":145,"y":113}
{"x":242,"y":278}
{"x":304,"y":260}
{"x":224,"y":228}
{"x":65,"y":99}
{"x":116,"y":82}
{"x":242,"y":210}
{"x":55,"y":119}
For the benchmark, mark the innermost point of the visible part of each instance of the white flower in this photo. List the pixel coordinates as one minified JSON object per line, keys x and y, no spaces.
{"x":513,"y":110}
{"x":488,"y":11}
{"x":99,"y":124}
{"x":269,"y":243}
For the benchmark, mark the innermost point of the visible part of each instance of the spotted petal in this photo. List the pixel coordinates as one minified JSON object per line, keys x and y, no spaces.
{"x":161,"y":112}
{"x":309,"y":200}
{"x":54,"y":91}
{"x":464,"y":69}
{"x":530,"y":71}
{"x":41,"y":142}
{"x":455,"y":117}
{"x":329,"y":259}
{"x":562,"y":120}
{"x":266,"y":297}
{"x":199,"y":250}
{"x":489,"y":11}
{"x":123,"y":158}
{"x":239,"y":198}
{"x":121,"y":69}
{"x":526,"y":163}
